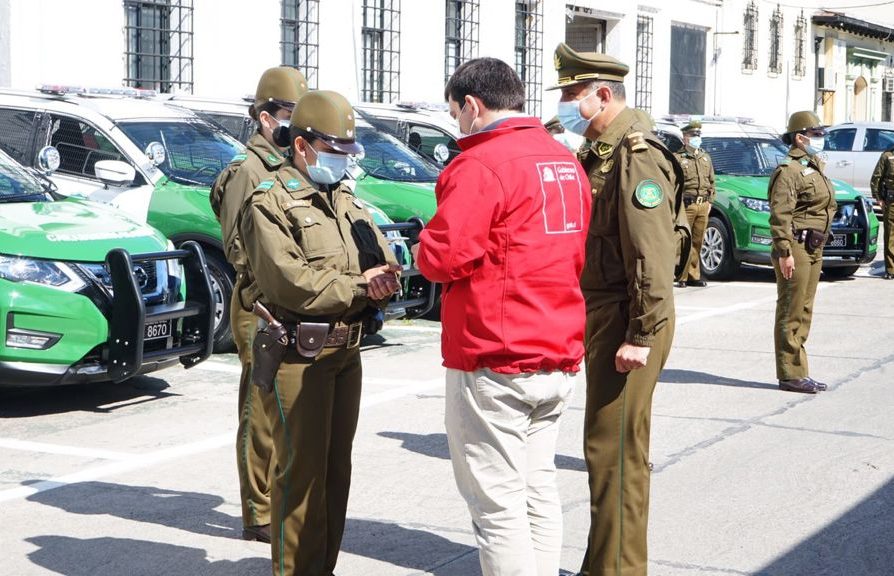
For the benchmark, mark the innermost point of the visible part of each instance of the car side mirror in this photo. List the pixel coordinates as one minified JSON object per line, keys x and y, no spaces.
{"x":48,"y":160}
{"x":114,"y":172}
{"x":441,"y":153}
{"x":155,"y":151}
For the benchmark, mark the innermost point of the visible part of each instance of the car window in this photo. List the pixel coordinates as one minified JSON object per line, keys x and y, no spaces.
{"x":840,"y":140}
{"x":744,"y":156}
{"x":233,"y":124}
{"x":387,"y":158}
{"x":877,"y":140}
{"x":672,"y":141}
{"x":423,"y":139}
{"x":16,"y":129}
{"x":195,"y":151}
{"x":15,"y":180}
{"x":80,"y":146}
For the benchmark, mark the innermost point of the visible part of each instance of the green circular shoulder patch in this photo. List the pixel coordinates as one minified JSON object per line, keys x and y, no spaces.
{"x":649,"y":194}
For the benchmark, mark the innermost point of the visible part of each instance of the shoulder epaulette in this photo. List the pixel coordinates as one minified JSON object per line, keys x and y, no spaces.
{"x":265,"y":185}
{"x":238,"y":158}
{"x":636,"y":142}
{"x":785,"y":162}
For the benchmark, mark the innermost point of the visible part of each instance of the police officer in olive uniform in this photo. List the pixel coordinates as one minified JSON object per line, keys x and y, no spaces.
{"x":317,"y":258}
{"x":802,"y":204}
{"x":882,"y":185}
{"x":698,"y":194}
{"x":628,"y":286}
{"x":278,"y":91}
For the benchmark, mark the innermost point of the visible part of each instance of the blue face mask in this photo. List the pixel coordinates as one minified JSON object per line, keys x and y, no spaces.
{"x":570,"y":116}
{"x":329,"y":168}
{"x":817,"y":144}
{"x":695,"y":141}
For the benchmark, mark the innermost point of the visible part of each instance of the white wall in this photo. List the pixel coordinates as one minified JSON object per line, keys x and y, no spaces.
{"x":4,"y":43}
{"x":422,"y":32}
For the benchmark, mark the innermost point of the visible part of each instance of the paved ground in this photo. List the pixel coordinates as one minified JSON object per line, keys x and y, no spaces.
{"x":139,"y":479}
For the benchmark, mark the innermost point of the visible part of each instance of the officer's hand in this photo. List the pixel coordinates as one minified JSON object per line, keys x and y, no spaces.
{"x":787,"y":266}
{"x":414,"y":250}
{"x":381,"y":281}
{"x":630,"y":357}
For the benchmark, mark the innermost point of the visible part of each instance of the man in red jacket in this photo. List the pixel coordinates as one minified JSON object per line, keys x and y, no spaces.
{"x":507,"y":243}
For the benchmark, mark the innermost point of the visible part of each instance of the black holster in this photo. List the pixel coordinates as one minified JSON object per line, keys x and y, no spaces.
{"x":268,"y":350}
{"x":814,"y":239}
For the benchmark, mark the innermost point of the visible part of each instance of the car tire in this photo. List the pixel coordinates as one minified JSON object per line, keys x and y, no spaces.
{"x":840,"y":272}
{"x":222,"y":278}
{"x":716,"y":256}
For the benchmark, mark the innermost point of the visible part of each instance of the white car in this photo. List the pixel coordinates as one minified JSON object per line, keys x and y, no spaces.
{"x":426,"y":128}
{"x":852,"y":150}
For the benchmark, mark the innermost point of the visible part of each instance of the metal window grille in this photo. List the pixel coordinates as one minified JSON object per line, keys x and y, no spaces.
{"x":800,"y":69}
{"x":776,"y":41}
{"x":644,"y":63}
{"x":461,"y":38}
{"x":749,"y":41}
{"x":300,"y":44}
{"x":381,"y":50}
{"x":529,"y":51}
{"x":159,"y":52}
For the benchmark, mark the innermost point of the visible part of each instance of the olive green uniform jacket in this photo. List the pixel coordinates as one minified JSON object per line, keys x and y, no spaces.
{"x":631,"y":243}
{"x":698,"y":173}
{"x":801,"y":197}
{"x":307,"y":249}
{"x":882,"y":181}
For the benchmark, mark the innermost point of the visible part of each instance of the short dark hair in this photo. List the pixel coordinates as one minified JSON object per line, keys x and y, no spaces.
{"x":617,"y":88}
{"x":491,"y":80}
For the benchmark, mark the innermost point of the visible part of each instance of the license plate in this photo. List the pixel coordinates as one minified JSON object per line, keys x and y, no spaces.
{"x":157,"y":330}
{"x":838,"y":241}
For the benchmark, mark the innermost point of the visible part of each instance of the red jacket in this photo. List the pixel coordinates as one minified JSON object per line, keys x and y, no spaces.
{"x":507,"y":242}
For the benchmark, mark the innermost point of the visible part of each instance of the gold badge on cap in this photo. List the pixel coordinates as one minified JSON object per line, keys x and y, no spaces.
{"x":557,"y":61}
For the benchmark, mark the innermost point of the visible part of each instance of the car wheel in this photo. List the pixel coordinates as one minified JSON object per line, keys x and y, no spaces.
{"x":717,"y":260}
{"x":839,"y":272}
{"x":222,"y":280}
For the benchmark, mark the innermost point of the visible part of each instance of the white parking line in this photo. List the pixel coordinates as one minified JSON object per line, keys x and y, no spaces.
{"x":733,"y":309}
{"x":44,"y":448}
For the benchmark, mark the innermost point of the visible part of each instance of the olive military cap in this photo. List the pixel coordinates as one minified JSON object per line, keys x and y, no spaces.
{"x":328,"y":116}
{"x":693,"y":126}
{"x":577,"y":67}
{"x":284,"y":85}
{"x":804,"y":120}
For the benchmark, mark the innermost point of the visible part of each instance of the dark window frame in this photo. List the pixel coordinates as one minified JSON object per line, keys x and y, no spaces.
{"x":800,"y":60}
{"x":380,"y":38}
{"x":64,"y":147}
{"x":645,"y":44}
{"x":529,"y":51}
{"x":300,"y":38}
{"x":19,"y":142}
{"x":749,"y":40}
{"x":158,"y":44}
{"x":776,"y":27}
{"x":461,"y":22}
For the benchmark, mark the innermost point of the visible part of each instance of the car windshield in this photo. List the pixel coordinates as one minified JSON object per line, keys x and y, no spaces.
{"x":16,"y":183}
{"x":743,"y":155}
{"x":387,"y":158}
{"x":195,"y":152}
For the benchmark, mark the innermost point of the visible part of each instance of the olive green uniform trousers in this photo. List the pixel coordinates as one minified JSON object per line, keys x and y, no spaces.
{"x":616,"y":444}
{"x":317,"y":403}
{"x":888,"y":236}
{"x":697,"y":214}
{"x":794,"y":311}
{"x":254,"y":437}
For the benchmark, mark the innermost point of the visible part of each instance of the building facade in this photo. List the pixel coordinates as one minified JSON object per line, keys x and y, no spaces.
{"x":745,"y":58}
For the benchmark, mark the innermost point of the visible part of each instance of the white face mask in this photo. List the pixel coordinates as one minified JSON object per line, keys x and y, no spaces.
{"x":695,"y":141}
{"x":570,"y":116}
{"x":329,"y":167}
{"x":817,"y":144}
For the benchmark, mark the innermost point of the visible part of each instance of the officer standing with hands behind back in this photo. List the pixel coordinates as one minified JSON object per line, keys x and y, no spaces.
{"x":321,"y":266}
{"x":277,"y":92}
{"x":698,"y":194}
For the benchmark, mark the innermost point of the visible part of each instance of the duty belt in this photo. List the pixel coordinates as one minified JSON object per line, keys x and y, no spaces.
{"x":696,"y":200}
{"x":340,"y":335}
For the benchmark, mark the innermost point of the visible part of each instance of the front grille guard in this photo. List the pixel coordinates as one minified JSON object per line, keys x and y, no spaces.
{"x":192,"y":322}
{"x":418,"y":296}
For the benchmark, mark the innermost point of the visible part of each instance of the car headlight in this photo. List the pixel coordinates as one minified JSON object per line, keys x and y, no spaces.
{"x":755,"y":204}
{"x":45,"y":272}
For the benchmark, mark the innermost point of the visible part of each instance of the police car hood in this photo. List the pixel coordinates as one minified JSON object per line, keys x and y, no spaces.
{"x":73,"y":231}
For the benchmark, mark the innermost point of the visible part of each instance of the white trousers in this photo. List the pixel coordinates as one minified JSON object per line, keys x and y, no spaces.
{"x":502,"y":431}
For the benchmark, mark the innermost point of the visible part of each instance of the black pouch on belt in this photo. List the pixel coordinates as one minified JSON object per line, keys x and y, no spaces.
{"x":814,"y":239}
{"x":268,"y":350}
{"x":310,"y":337}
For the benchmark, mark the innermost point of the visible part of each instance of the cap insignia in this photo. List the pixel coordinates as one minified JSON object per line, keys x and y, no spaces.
{"x":557,"y":61}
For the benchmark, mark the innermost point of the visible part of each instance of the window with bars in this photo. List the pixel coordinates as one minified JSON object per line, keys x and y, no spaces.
{"x":800,"y":69}
{"x":529,"y":51}
{"x":158,"y":36}
{"x":300,"y":43}
{"x":775,"y":65}
{"x":380,"y":33}
{"x":644,"y":62}
{"x":461,"y":35}
{"x":749,"y":40}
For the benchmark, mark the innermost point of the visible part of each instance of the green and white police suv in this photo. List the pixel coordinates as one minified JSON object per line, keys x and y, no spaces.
{"x":88,"y":293}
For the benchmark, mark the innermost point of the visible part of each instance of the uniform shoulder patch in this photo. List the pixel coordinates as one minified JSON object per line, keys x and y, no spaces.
{"x":293,"y":184}
{"x":636,"y":142}
{"x":785,"y":162}
{"x":265,"y":185}
{"x":648,"y":193}
{"x":238,"y":158}
{"x":273,"y":158}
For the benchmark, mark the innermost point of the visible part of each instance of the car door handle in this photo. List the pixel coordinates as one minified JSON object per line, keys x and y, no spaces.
{"x":843,"y":163}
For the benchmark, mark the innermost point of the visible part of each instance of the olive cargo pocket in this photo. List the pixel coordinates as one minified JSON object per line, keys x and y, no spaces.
{"x":317,"y":235}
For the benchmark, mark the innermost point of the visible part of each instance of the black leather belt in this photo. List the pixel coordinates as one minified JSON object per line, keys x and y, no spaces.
{"x":696,"y":200}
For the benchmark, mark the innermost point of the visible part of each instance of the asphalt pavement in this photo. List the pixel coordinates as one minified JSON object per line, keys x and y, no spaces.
{"x":140,"y":479}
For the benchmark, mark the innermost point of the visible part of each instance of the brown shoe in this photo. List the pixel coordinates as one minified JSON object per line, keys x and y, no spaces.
{"x":257,"y":533}
{"x":820,"y":386}
{"x":803,"y":385}
{"x":681,"y":284}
